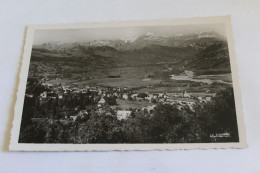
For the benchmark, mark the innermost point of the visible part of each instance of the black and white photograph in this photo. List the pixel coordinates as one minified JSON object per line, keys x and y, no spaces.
{"x":145,"y":83}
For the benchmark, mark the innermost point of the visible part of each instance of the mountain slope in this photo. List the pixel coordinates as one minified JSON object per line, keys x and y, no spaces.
{"x":204,"y":53}
{"x":212,"y":60}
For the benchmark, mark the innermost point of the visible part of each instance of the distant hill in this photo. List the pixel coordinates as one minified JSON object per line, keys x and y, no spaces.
{"x":212,"y":60}
{"x":204,"y":52}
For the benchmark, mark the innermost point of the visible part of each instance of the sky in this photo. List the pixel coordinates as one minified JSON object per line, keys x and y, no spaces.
{"x":114,"y":33}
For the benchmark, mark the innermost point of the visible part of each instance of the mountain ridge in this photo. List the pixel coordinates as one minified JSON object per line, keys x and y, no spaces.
{"x":196,"y":52}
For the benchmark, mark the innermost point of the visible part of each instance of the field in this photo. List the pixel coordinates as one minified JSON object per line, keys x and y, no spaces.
{"x":120,"y":82}
{"x":223,"y":77}
{"x":126,"y":104}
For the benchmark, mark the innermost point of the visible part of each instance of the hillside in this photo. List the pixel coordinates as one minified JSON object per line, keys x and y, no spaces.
{"x":204,"y":53}
{"x":212,"y":60}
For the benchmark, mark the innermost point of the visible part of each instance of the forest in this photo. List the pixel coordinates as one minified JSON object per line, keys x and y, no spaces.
{"x":167,"y":124}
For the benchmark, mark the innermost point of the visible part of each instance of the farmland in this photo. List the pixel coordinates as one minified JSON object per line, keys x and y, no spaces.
{"x":126,"y":104}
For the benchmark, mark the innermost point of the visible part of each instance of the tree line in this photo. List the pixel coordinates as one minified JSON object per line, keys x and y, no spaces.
{"x":167,"y":124}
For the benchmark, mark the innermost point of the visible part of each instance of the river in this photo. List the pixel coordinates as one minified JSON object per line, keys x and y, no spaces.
{"x":209,"y":79}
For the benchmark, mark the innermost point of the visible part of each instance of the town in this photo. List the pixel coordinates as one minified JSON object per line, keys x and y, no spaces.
{"x":121,"y":102}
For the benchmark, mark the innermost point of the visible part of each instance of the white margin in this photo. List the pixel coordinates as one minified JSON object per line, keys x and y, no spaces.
{"x":15,"y":146}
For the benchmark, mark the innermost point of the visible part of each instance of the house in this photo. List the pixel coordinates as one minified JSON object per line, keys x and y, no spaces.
{"x":108,"y":114}
{"x":149,"y":98}
{"x":43,"y":95}
{"x":73,"y":118}
{"x":102,"y":101}
{"x":125,"y":96}
{"x":165,"y":95}
{"x":47,"y":85}
{"x":60,"y":96}
{"x":93,"y":90}
{"x":171,"y":101}
{"x":208,"y":98}
{"x":83,"y":91}
{"x":161,"y":95}
{"x":155,"y":96}
{"x":50,"y":86}
{"x":150,"y":108}
{"x":176,"y":95}
{"x":144,"y":108}
{"x":67,"y":91}
{"x":185,"y":94}
{"x":115,"y":94}
{"x":123,"y":114}
{"x":133,"y":96}
{"x":139,"y":98}
{"x":161,"y":100}
{"x":82,"y":113}
{"x":29,"y":95}
{"x":100,"y":92}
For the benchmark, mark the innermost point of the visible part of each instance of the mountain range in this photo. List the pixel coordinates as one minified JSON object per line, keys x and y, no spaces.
{"x":203,"y":51}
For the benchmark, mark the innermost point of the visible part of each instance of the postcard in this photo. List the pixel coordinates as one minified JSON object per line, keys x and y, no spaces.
{"x":129,"y":85}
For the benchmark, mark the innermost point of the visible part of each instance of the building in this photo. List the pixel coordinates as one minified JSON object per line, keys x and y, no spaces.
{"x":102,"y":101}
{"x":115,"y":94}
{"x":149,"y":108}
{"x":83,"y":113}
{"x":125,"y":96}
{"x":149,"y":98}
{"x":73,"y":118}
{"x":100,"y":92}
{"x":60,"y":96}
{"x":29,"y":95}
{"x":161,"y":95}
{"x":185,"y":94}
{"x":155,"y":96}
{"x":43,"y":95}
{"x":134,"y":96}
{"x":208,"y":98}
{"x":123,"y":114}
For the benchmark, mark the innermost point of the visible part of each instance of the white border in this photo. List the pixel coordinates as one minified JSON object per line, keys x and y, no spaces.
{"x":15,"y":146}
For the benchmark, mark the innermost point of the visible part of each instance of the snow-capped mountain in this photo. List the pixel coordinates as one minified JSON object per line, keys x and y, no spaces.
{"x":198,"y":40}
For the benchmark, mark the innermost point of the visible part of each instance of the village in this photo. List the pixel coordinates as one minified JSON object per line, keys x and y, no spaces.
{"x":121,"y":102}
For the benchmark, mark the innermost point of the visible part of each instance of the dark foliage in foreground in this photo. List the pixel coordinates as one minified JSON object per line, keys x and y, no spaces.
{"x":167,"y":124}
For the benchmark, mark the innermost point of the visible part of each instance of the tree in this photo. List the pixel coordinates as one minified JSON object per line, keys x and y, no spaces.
{"x":142,"y":95}
{"x":224,"y":114}
{"x":187,"y":130}
{"x":171,"y":125}
{"x":163,"y":118}
{"x":219,"y":116}
{"x":111,"y":100}
{"x":32,"y":134}
{"x":28,"y":112}
{"x":136,"y":129}
{"x":99,"y":129}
